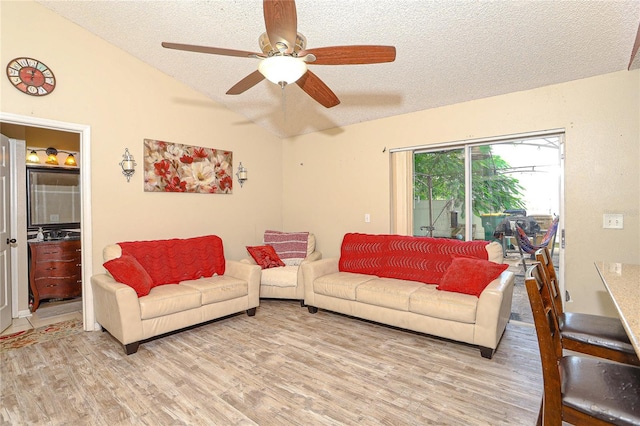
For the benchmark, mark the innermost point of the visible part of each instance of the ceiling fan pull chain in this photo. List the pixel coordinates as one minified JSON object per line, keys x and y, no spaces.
{"x":284,"y":103}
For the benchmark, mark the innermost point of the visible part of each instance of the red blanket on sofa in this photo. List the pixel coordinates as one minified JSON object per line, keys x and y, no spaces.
{"x":176,"y":260}
{"x":421,"y":259}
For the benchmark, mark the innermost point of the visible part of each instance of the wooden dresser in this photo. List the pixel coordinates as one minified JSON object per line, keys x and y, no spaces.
{"x":55,"y":270}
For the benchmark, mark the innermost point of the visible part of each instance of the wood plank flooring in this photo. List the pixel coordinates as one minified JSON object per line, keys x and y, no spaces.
{"x":282,"y":367}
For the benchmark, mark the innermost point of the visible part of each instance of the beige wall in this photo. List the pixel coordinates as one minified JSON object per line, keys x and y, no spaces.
{"x":332,"y":179}
{"x":124,"y":101}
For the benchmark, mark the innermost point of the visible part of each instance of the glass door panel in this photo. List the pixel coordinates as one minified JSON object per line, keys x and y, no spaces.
{"x":439,"y":194}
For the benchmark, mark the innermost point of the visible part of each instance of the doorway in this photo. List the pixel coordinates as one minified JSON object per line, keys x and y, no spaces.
{"x":19,"y":309}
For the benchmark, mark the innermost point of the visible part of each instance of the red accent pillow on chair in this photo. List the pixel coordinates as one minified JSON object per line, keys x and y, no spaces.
{"x":265,"y":256}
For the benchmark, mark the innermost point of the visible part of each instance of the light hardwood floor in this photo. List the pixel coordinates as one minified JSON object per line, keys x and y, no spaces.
{"x":282,"y":367}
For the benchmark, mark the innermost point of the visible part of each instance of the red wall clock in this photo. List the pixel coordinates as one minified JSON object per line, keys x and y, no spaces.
{"x":31,"y":76}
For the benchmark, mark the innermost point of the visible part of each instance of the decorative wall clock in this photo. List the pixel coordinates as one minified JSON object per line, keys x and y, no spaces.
{"x":31,"y":76}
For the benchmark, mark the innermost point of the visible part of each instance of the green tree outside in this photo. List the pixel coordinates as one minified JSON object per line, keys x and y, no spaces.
{"x":492,"y":191}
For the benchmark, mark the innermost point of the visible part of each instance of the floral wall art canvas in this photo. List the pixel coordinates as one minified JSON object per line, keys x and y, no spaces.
{"x":172,"y":167}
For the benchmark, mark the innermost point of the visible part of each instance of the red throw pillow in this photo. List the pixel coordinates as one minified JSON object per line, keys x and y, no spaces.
{"x":127,"y":270}
{"x":470,"y":276}
{"x":265,"y":256}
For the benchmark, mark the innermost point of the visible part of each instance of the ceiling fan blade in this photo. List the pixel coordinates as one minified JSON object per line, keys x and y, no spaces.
{"x":246,"y":83}
{"x":635,"y":48}
{"x":316,"y":88}
{"x":212,"y":50}
{"x":281,"y":21}
{"x":351,"y":55}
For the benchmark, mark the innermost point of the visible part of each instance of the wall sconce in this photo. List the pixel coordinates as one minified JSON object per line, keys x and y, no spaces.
{"x":52,"y":157}
{"x":242,"y":174}
{"x":128,"y":164}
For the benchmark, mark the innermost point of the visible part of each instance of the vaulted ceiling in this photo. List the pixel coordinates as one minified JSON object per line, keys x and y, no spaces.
{"x":447,"y":51}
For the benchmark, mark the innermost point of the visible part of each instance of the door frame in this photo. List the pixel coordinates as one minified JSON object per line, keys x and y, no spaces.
{"x":84,"y":131}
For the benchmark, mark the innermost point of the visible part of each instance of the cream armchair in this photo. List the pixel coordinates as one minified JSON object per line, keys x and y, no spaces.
{"x":286,"y":282}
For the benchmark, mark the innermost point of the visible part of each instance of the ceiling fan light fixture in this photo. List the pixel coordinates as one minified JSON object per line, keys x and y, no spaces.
{"x":279,"y":69}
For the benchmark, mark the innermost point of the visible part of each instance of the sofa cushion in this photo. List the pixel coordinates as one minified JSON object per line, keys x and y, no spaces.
{"x":494,"y":252}
{"x":218,"y":288}
{"x":470,"y":276}
{"x":290,"y":246}
{"x":444,"y":304}
{"x":265,"y":256}
{"x":280,"y":277}
{"x":387,"y":292}
{"x":342,"y":285}
{"x":127,"y":270}
{"x":175,"y":260}
{"x":168,"y":299}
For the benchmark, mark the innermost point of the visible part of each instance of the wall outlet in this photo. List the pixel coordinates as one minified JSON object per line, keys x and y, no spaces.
{"x":612,"y":221}
{"x":54,"y":218}
{"x":367,"y":218}
{"x":615,"y":268}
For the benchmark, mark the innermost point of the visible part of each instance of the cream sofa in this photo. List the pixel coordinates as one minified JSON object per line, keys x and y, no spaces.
{"x":192,"y":297}
{"x":407,"y":303}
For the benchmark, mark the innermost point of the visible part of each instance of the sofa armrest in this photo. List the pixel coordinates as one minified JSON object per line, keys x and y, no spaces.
{"x":313,"y":257}
{"x":316,"y":255}
{"x":117,"y":308}
{"x":494,"y":310}
{"x":250,"y":274}
{"x":313,"y":270}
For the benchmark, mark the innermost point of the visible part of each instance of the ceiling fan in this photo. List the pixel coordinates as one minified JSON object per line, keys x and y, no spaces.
{"x":284,"y":56}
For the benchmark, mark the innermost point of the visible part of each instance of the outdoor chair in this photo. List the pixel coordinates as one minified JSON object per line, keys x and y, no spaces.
{"x":576,"y":389}
{"x":594,"y":335}
{"x":527,"y":247}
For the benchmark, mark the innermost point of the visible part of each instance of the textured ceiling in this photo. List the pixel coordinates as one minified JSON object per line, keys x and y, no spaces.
{"x":447,"y":51}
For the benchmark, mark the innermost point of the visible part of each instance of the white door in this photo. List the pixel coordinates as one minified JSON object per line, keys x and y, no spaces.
{"x":5,"y":236}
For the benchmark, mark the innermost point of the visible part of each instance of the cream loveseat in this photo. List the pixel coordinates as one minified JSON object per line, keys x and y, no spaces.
{"x":155,"y":287}
{"x":430,"y":285}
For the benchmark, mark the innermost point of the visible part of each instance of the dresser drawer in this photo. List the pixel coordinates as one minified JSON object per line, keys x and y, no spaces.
{"x":58,"y":250}
{"x":59,"y":287}
{"x":53,"y":268}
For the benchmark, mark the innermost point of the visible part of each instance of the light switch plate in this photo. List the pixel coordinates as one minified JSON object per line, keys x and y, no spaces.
{"x":612,"y":221}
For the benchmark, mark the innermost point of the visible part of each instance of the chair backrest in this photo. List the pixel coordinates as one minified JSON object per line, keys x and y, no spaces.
{"x":549,"y":343}
{"x":543,"y":256}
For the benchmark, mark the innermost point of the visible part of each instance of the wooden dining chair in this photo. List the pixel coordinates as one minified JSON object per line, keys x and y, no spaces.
{"x":596,"y":335}
{"x":578,"y":390}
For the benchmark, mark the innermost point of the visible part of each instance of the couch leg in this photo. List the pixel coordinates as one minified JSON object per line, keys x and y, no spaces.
{"x":312,"y":309}
{"x":251,"y":312}
{"x":302,"y":305}
{"x":486,"y":352}
{"x":131,"y":348}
